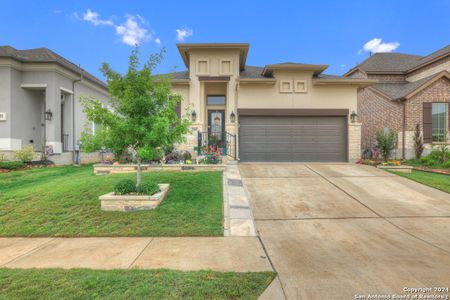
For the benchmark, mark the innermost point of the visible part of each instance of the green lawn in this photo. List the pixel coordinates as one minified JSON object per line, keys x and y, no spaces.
{"x":63,"y":201}
{"x":130,"y":284}
{"x":438,"y":181}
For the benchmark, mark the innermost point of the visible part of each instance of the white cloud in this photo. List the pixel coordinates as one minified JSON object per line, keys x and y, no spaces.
{"x":183,"y":33}
{"x":94,"y":18}
{"x":132,"y":32}
{"x":377,"y":45}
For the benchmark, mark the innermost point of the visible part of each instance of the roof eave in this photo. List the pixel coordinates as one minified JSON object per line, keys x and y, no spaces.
{"x":361,"y":83}
{"x":303,"y":67}
{"x":184,"y":48}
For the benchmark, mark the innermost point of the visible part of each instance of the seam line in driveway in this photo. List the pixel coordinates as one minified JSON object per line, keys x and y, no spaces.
{"x":317,"y":218}
{"x":271,"y":263}
{"x":386,"y":219}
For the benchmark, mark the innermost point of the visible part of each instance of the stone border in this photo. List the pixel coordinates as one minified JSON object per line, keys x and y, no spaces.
{"x":431,"y":170}
{"x":403,"y":169}
{"x":103,"y":169}
{"x":238,"y":215}
{"x":125,"y":203}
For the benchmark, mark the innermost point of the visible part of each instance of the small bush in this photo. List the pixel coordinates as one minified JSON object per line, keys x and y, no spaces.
{"x":418,"y":142}
{"x":386,"y":142}
{"x":424,"y":159}
{"x":187,"y":156}
{"x":26,"y":154}
{"x":11,"y":165}
{"x":148,"y":188}
{"x":125,"y":186}
{"x":172,"y":157}
{"x":431,"y":162}
{"x":446,"y":165}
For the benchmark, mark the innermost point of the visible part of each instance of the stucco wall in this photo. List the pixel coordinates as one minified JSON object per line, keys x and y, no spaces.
{"x":269,"y":96}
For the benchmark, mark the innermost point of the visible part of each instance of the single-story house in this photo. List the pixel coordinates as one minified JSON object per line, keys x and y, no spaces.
{"x":283,"y":112}
{"x":411,"y":90}
{"x":39,"y":102}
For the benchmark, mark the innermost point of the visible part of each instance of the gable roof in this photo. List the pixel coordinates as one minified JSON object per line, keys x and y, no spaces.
{"x":405,"y":90}
{"x":45,"y":55}
{"x":398,"y":63}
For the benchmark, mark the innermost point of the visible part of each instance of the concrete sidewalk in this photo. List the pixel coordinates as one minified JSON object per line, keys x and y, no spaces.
{"x":238,"y":254}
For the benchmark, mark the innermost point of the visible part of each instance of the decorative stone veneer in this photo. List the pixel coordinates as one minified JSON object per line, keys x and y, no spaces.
{"x":101,"y":169}
{"x":354,"y":141}
{"x":191,"y":141}
{"x":113,"y":202}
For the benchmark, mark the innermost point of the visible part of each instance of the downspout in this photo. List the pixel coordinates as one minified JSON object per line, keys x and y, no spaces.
{"x":403,"y":129}
{"x":73,"y":113}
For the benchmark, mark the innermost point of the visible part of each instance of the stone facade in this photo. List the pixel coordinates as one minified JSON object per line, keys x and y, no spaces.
{"x":354,"y":142}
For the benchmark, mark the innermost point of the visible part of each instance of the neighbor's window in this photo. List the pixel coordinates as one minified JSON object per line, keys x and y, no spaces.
{"x":439,"y":120}
{"x":216,"y":100}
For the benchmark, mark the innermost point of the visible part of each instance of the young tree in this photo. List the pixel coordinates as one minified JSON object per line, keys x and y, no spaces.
{"x":418,"y":142}
{"x":386,"y":143}
{"x":142,"y":116}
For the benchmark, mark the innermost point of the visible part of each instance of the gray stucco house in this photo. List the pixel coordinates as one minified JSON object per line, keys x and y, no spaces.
{"x":39,"y":101}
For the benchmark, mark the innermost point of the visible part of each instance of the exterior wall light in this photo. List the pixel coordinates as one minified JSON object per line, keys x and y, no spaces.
{"x":232,"y":117}
{"x":48,"y":115}
{"x":353,"y":116}
{"x":193,"y":116}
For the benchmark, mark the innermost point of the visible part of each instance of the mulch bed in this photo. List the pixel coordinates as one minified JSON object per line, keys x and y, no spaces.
{"x":430,"y":170}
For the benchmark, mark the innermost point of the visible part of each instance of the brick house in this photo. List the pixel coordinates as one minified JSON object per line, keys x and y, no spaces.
{"x":411,"y":90}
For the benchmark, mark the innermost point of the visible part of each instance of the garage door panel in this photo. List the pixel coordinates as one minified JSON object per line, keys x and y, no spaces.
{"x":279,"y":139}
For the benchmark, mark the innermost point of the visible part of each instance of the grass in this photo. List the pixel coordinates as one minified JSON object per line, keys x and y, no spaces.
{"x":63,"y":201}
{"x":438,"y":181}
{"x":130,"y":284}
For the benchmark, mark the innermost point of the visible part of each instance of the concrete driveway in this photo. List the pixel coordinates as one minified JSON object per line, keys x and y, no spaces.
{"x":336,"y":231}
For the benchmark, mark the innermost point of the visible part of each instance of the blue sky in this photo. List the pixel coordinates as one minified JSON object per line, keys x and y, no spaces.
{"x":322,"y":32}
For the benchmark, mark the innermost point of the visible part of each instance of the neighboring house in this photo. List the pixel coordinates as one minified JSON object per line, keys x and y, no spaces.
{"x":411,"y":90}
{"x":37,"y":107}
{"x":280,"y":112}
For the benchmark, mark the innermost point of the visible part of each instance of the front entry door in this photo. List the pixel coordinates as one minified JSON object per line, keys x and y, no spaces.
{"x":216,"y":129}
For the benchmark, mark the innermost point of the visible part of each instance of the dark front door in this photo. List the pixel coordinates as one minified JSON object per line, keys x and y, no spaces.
{"x":216,"y":128}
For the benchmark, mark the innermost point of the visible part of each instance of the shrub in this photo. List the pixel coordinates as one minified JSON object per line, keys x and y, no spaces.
{"x":11,"y":165}
{"x":446,"y":165}
{"x":386,"y":143}
{"x":172,"y":157}
{"x":148,"y":188}
{"x":26,"y":154}
{"x":418,"y":142}
{"x":125,"y":186}
{"x":431,"y":162}
{"x":212,"y":155}
{"x":424,"y":159}
{"x":187,"y":156}
{"x":441,"y":153}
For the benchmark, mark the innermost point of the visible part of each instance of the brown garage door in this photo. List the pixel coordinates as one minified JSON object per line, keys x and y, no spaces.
{"x":292,"y":139}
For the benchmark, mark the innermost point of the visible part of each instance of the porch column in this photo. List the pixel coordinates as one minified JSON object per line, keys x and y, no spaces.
{"x":53,"y":126}
{"x":354,"y":142}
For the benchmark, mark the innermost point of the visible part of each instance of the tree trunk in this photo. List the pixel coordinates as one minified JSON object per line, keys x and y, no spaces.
{"x":138,"y":173}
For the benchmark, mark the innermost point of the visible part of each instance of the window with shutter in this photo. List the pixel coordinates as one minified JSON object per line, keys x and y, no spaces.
{"x":427,"y":123}
{"x":439,"y":122}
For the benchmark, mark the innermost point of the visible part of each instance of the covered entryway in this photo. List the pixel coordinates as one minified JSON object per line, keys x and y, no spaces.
{"x":298,"y":138}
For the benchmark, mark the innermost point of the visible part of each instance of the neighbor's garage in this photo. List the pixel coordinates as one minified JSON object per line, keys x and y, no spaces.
{"x":299,"y":138}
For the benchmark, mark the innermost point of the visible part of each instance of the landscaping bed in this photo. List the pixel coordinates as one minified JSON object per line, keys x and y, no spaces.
{"x":64,"y":201}
{"x":105,"y":169}
{"x":130,"y":284}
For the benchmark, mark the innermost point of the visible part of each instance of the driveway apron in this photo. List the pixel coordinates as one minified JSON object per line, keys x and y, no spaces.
{"x":339,"y":231}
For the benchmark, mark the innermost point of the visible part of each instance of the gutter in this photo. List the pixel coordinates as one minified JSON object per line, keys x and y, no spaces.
{"x":73,"y":113}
